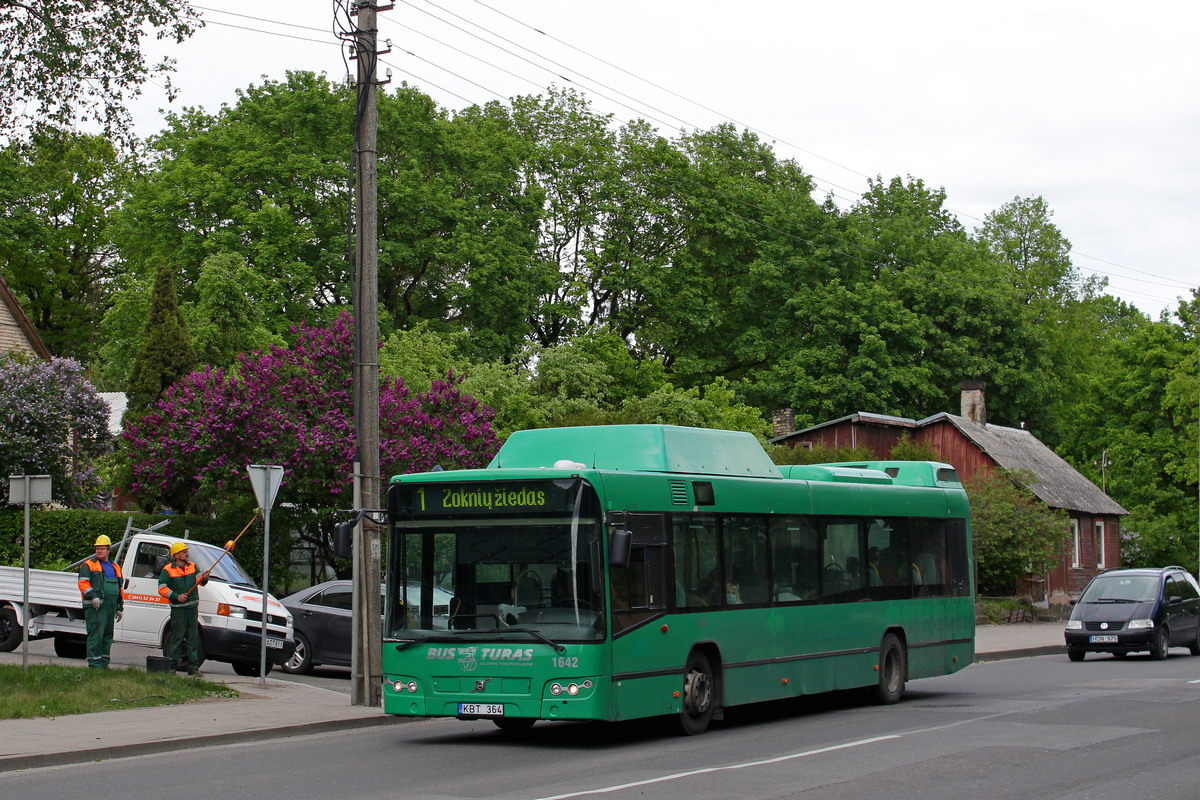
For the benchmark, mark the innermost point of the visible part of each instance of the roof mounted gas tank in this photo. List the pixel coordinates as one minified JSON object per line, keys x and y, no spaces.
{"x":639,"y":448}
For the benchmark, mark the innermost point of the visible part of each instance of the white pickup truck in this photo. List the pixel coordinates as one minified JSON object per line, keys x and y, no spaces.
{"x":230,"y":607}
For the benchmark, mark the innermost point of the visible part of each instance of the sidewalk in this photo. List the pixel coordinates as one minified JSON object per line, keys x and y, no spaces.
{"x":288,"y":708}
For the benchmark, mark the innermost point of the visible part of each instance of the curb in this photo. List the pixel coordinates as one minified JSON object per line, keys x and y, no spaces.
{"x":168,"y":745}
{"x":1027,"y":652}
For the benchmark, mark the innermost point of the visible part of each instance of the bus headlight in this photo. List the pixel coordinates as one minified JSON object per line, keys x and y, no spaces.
{"x":571,"y":688}
{"x":226,"y":610}
{"x":1074,"y":625}
{"x":401,"y":686}
{"x":1135,"y":624}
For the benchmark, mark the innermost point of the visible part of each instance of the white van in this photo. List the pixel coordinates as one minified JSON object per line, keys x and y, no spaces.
{"x":230,"y":607}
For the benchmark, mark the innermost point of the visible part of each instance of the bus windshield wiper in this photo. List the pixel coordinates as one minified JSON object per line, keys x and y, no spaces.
{"x":1116,"y":600}
{"x":558,"y":647}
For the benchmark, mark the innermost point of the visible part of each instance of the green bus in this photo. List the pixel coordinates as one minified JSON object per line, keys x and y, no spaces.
{"x":627,"y":571}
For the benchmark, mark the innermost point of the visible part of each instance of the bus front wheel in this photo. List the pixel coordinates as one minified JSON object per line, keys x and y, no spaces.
{"x":698,"y":691}
{"x":892,"y":671}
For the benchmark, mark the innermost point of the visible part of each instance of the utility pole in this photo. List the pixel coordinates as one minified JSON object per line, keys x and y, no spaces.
{"x":367,"y":673}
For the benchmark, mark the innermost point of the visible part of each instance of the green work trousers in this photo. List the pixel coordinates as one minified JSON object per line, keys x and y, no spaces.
{"x":100,"y":623}
{"x":185,"y":627}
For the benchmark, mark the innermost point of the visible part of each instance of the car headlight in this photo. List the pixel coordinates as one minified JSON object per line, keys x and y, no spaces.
{"x":1074,"y":625}
{"x":1135,"y":624}
{"x":227,"y":610}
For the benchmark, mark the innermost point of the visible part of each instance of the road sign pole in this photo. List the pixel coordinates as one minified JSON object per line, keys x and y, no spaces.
{"x":27,"y":489}
{"x":265,"y":480}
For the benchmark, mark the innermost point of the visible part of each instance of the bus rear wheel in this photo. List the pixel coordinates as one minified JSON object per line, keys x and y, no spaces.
{"x":892,"y":671}
{"x":698,"y":694}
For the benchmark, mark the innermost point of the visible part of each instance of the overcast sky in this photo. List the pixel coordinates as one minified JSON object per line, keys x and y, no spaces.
{"x":1094,"y":105}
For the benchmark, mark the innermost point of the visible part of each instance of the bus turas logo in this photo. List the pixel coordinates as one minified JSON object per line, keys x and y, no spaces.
{"x":469,"y":658}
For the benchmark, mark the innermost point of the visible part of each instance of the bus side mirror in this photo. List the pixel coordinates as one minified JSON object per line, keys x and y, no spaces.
{"x":618,"y":547}
{"x":343,"y":536}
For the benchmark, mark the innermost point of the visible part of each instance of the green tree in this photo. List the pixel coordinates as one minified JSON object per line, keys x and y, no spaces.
{"x":1015,"y":534}
{"x":123,"y":329}
{"x":226,"y":320}
{"x":571,"y":160}
{"x":1020,"y":234}
{"x":74,"y":59}
{"x":818,"y":454}
{"x":167,"y":353}
{"x":57,"y":190}
{"x":908,"y":450}
{"x":265,"y":179}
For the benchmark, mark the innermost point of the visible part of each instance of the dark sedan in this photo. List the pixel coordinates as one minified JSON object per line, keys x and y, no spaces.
{"x":322,"y":616}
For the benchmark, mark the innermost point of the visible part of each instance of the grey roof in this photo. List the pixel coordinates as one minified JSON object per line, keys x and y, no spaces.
{"x":1057,"y":484}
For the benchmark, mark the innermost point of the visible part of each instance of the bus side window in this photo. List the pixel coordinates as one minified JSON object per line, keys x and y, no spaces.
{"x":697,"y":560}
{"x":928,"y":540}
{"x":794,"y":560}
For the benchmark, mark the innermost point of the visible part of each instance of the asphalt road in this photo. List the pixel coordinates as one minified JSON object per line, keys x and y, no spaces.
{"x":1022,"y":728}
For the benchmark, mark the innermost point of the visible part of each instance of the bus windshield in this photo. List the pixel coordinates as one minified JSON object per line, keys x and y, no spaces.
{"x":500,"y":576}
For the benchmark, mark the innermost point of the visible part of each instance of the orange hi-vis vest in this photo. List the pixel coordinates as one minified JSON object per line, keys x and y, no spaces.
{"x":175,"y":580}
{"x":96,"y":569}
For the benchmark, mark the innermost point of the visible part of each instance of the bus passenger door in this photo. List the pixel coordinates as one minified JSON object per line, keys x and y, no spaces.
{"x":638,"y":588}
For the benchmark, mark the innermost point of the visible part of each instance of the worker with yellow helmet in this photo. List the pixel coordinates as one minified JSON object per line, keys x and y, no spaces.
{"x":103,"y":602}
{"x":179,"y":583}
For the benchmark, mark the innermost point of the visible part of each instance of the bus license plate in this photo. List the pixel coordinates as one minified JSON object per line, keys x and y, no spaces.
{"x":276,"y":644}
{"x":1107,"y":638}
{"x":481,"y":709}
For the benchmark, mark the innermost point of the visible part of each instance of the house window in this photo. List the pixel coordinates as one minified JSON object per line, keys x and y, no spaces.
{"x":1099,"y":544}
{"x":1075,"y":539}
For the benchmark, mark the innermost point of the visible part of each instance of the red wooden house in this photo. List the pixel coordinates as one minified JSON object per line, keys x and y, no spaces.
{"x":970,"y":445}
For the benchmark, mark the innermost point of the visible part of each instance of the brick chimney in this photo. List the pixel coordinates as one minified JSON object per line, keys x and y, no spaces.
{"x":971,"y":405}
{"x":783,"y":420}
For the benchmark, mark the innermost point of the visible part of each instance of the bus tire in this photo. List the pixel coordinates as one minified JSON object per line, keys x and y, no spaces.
{"x":69,"y":646}
{"x":514,"y":724}
{"x":893,"y":671}
{"x":698,"y":695}
{"x":1077,"y":653}
{"x":10,"y":630}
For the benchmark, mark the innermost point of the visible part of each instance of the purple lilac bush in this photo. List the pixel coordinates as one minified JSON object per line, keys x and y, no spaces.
{"x":52,"y":422}
{"x":294,"y":407}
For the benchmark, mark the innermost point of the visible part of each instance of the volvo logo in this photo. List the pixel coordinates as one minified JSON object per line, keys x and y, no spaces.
{"x":480,"y":686}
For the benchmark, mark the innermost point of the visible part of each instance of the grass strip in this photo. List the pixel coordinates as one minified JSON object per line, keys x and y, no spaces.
{"x":51,"y":690}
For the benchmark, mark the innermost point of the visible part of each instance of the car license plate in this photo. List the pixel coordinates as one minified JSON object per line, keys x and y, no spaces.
{"x":481,"y":709}
{"x":1107,"y":638}
{"x":276,"y":644}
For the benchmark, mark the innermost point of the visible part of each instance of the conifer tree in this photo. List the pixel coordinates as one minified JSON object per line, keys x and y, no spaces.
{"x":167,"y":353}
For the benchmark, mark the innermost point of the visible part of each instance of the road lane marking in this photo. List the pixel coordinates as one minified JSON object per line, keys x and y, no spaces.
{"x":743,"y":765}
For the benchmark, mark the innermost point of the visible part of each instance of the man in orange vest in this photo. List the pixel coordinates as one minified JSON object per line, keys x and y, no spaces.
{"x":103,"y":602}
{"x":180,"y":582}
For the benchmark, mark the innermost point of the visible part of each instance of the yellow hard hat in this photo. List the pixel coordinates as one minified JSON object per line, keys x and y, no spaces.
{"x":178,"y":547}
{"x":102,"y":539}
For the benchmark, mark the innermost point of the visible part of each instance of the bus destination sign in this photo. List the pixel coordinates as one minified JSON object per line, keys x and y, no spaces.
{"x":454,"y":499}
